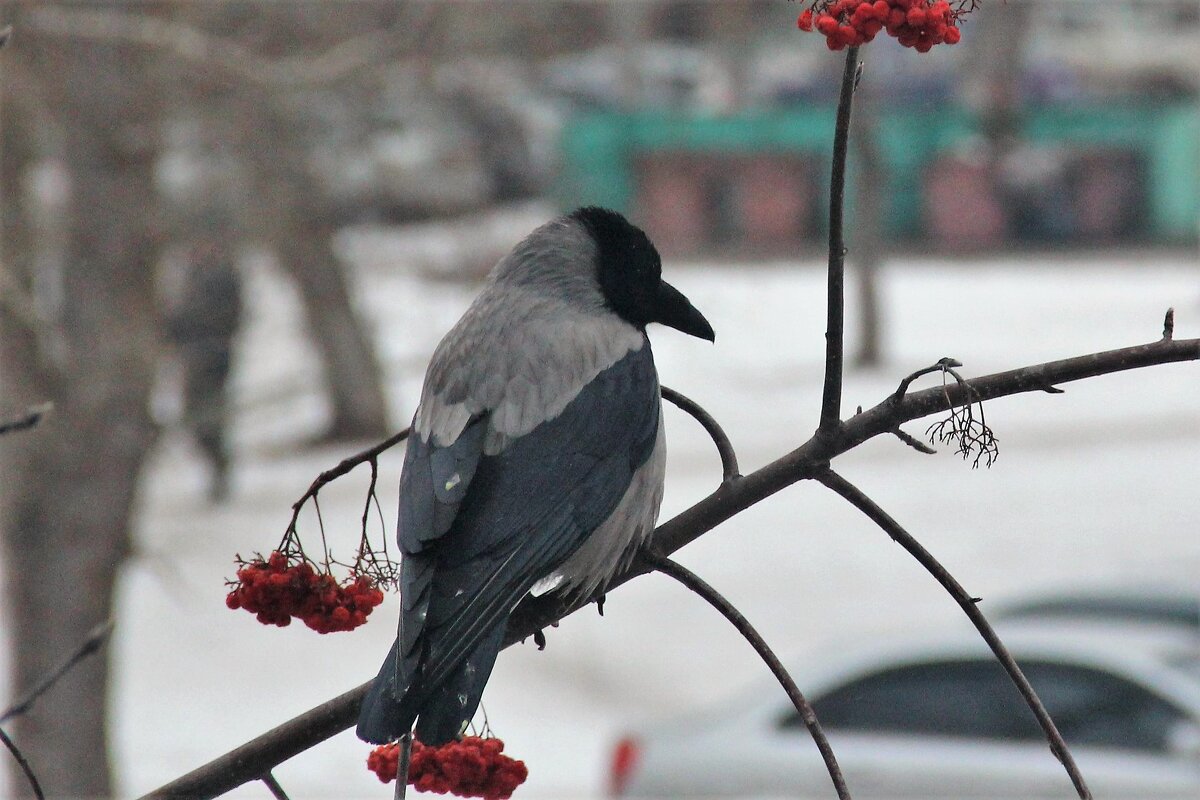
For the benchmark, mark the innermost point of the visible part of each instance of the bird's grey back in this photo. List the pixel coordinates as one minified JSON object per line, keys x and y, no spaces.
{"x":533,"y":338}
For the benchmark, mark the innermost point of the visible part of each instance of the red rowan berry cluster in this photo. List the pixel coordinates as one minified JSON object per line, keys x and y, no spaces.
{"x":470,"y":767}
{"x":919,"y":24}
{"x":276,"y":590}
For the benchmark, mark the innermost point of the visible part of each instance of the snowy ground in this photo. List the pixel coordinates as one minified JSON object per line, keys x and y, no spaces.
{"x":1099,"y":484}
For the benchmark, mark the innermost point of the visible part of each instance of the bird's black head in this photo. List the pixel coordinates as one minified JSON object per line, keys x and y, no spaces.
{"x":630,"y":274}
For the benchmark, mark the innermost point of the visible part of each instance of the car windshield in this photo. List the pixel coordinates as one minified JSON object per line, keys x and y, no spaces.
{"x":975,"y":700}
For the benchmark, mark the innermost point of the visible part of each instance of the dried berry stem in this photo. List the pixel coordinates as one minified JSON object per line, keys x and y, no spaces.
{"x":344,"y":466}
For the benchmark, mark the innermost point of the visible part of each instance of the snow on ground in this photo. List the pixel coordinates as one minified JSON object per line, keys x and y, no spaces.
{"x":1092,"y":486}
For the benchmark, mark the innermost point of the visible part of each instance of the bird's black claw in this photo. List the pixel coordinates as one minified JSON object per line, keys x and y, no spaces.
{"x":600,"y":604}
{"x":539,"y":638}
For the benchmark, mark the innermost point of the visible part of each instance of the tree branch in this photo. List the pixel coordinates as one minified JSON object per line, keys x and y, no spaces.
{"x":94,"y":641}
{"x":969,"y":605}
{"x":23,"y":763}
{"x":729,"y":462}
{"x":196,"y":45}
{"x":29,"y":419}
{"x":249,"y":761}
{"x":255,"y":758}
{"x":701,"y":587}
{"x":831,"y":400}
{"x":273,"y":785}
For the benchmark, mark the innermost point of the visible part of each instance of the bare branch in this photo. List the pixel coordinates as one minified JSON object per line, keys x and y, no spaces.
{"x":1169,"y":325}
{"x":24,"y":765}
{"x":276,"y":790}
{"x":914,"y":442}
{"x":831,"y":400}
{"x":249,"y":761}
{"x":30,"y":419}
{"x":193,"y":44}
{"x":94,"y":641}
{"x":729,"y":462}
{"x":970,"y":606}
{"x":1027,"y":379}
{"x":701,"y":587}
{"x":255,"y":758}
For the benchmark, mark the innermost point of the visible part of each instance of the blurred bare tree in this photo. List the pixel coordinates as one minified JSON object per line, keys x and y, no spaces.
{"x":91,"y":88}
{"x":264,"y":122}
{"x":88,"y":342}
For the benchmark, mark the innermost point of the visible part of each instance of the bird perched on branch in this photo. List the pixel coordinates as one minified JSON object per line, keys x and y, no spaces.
{"x":536,"y":459}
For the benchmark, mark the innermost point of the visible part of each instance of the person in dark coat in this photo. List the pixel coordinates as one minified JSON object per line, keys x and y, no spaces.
{"x":203,"y":327}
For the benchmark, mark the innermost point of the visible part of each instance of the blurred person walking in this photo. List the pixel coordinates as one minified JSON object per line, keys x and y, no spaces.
{"x":202,"y":327}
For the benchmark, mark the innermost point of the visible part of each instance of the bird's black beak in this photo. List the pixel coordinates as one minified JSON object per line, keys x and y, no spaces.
{"x":674,"y":310}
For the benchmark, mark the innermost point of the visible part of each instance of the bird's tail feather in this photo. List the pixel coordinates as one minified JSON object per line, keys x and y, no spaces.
{"x":451,"y":706}
{"x":388,"y":713}
{"x":383,"y":717}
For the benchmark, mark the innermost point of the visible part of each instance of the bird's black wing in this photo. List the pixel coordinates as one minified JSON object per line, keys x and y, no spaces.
{"x":474,"y":545}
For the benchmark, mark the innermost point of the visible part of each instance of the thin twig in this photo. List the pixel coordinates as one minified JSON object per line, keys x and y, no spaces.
{"x":831,"y":399}
{"x":349,"y":463}
{"x":1169,"y":325}
{"x":276,"y":790}
{"x":729,"y":462}
{"x":96,"y":638}
{"x":402,"y":762}
{"x":969,"y":605}
{"x":698,"y":585}
{"x":914,"y":442}
{"x":942,"y":365}
{"x":23,"y":764}
{"x":344,"y":466}
{"x":31,"y":417}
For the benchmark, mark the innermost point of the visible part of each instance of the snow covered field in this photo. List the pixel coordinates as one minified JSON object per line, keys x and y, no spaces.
{"x":1096,"y":485}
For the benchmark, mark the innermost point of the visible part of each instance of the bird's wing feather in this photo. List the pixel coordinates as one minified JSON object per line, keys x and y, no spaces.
{"x":516,"y":515}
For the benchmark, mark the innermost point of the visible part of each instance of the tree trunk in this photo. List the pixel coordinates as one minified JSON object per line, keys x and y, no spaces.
{"x":352,"y":377}
{"x":869,"y":211}
{"x":301,"y":233}
{"x":69,"y":485}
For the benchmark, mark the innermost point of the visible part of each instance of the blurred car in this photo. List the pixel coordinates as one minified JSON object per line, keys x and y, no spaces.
{"x":939,"y":718}
{"x":1168,"y":605}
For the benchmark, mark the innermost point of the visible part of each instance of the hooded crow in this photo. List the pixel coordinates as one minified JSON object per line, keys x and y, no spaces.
{"x":535,"y":463}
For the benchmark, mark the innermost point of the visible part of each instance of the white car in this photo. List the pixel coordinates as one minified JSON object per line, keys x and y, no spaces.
{"x":939,"y":718}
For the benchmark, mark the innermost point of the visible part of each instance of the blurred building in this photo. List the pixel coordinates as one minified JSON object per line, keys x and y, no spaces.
{"x":1077,"y":125}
